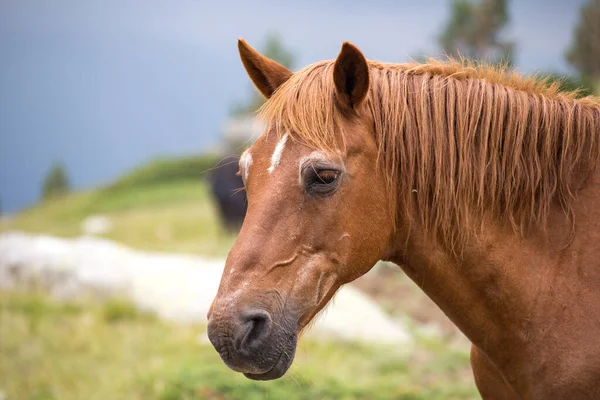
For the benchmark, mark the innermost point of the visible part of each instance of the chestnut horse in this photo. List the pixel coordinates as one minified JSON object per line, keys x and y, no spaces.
{"x":478,"y":183}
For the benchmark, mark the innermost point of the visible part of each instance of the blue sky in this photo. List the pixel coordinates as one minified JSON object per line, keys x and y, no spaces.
{"x":105,"y":85}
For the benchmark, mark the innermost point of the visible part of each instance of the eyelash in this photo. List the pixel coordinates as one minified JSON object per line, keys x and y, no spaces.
{"x":321,"y":181}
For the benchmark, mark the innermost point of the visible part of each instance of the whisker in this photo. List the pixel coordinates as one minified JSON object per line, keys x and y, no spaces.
{"x":238,"y":190}
{"x":219,"y":165}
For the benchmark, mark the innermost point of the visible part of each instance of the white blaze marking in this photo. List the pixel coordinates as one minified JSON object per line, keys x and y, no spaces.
{"x":276,"y":157}
{"x":245,"y":163}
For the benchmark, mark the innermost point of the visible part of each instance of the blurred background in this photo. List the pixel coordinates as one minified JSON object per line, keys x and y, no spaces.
{"x":120,"y":126}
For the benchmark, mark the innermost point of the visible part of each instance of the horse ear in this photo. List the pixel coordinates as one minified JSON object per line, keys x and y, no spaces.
{"x":351,"y":76}
{"x":266,"y":74}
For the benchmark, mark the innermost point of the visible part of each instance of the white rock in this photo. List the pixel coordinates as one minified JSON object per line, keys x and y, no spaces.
{"x":96,"y":225}
{"x":175,"y":286}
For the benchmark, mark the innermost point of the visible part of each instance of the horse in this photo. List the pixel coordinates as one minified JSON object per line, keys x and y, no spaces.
{"x":225,"y":184}
{"x":479,"y":183}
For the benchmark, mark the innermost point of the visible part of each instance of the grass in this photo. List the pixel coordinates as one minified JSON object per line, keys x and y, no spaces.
{"x":179,"y":216}
{"x":92,"y":350}
{"x":168,"y":169}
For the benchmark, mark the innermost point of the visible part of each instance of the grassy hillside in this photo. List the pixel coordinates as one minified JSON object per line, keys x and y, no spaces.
{"x":86,"y":350}
{"x":164,"y":205}
{"x":168,"y":169}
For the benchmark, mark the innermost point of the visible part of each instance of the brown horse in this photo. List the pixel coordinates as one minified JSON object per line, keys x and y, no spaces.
{"x":478,"y":183}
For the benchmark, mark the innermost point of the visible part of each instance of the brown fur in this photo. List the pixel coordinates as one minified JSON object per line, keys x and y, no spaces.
{"x":435,"y":157}
{"x":267,"y":75}
{"x":456,"y":140}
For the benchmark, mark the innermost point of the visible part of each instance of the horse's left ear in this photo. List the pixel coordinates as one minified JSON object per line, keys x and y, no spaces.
{"x":266,"y":74}
{"x":351,"y":76}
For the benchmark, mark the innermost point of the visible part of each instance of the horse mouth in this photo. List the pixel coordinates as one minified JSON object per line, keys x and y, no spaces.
{"x":278,"y":369}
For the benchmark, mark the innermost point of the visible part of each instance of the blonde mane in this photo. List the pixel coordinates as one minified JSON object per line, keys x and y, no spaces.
{"x":457,"y":141}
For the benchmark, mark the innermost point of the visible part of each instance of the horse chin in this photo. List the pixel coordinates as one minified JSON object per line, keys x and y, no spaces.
{"x":278,"y":369}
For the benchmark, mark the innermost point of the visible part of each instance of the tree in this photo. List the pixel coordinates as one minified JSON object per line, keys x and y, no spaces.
{"x":275,"y":50}
{"x":56,"y":182}
{"x":584,"y":53}
{"x":475,"y":31}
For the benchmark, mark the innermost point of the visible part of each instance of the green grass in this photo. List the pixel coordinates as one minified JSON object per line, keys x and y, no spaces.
{"x":168,"y":169}
{"x":178,"y":216}
{"x":89,"y":350}
{"x":163,"y":205}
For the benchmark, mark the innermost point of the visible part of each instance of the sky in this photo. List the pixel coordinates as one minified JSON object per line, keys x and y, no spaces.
{"x":105,"y":85}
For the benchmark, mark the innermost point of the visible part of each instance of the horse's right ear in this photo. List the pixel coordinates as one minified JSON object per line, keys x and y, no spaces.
{"x":266,"y":74}
{"x":351,"y":76}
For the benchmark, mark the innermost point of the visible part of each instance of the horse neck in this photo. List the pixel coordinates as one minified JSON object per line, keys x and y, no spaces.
{"x":493,"y":291}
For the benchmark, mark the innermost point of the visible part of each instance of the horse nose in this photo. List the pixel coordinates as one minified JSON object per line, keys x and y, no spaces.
{"x":255,"y":329}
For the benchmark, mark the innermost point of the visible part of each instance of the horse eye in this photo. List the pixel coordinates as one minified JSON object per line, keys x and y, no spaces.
{"x":321,"y":182}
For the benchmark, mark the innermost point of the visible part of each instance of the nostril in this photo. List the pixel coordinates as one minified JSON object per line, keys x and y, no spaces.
{"x":256,"y":328}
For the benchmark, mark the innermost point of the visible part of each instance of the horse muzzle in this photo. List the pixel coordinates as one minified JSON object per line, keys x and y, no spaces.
{"x":253,"y":342}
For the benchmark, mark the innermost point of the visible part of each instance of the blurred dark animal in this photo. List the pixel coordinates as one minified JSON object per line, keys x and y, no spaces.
{"x":227,"y":191}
